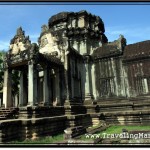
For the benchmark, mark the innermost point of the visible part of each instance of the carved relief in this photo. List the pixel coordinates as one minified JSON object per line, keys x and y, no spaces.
{"x":19,"y":42}
{"x":81,"y":22}
{"x":50,"y":43}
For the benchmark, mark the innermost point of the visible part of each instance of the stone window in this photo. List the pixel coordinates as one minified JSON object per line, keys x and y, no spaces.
{"x":74,"y":22}
{"x":106,"y":87}
{"x":59,"y":26}
{"x":142,"y":85}
{"x":81,"y":22}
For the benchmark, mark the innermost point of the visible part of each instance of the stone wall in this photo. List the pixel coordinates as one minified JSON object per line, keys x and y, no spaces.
{"x":35,"y":122}
{"x":38,"y":112}
{"x":12,"y":130}
{"x":128,"y":118}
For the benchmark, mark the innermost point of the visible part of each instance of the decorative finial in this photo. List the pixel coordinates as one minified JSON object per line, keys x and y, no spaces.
{"x":44,"y":28}
{"x":20,"y":31}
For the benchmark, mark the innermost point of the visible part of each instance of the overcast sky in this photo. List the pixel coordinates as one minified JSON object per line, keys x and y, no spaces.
{"x":133,"y":21}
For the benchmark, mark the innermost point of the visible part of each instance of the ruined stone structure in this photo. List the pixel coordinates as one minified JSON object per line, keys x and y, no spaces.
{"x":58,"y":69}
{"x":74,"y":67}
{"x":74,"y":62}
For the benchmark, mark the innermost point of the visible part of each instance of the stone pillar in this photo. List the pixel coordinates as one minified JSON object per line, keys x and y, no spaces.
{"x":94,"y":79}
{"x":75,"y":46}
{"x":7,"y":95}
{"x":67,"y":76}
{"x":32,"y":84}
{"x":115,"y":75}
{"x":88,"y":91}
{"x":61,"y":85}
{"x":46,"y":87}
{"x":16,"y":100}
{"x":126,"y":81}
{"x":21,"y":95}
{"x":22,"y":89}
{"x":57,"y":87}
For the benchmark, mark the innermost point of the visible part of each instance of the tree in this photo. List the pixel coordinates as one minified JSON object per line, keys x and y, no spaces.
{"x":15,"y":77}
{"x":15,"y":82}
{"x":2,"y":53}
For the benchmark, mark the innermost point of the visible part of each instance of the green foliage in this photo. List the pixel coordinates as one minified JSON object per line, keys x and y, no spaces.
{"x":44,"y":140}
{"x":118,"y":129}
{"x":2,"y":53}
{"x":15,"y":76}
{"x":15,"y":82}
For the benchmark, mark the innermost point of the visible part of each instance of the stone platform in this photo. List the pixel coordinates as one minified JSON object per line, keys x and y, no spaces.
{"x":35,"y":122}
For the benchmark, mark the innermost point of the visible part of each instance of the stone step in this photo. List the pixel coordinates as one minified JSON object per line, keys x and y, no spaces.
{"x":7,"y":113}
{"x":123,"y":100}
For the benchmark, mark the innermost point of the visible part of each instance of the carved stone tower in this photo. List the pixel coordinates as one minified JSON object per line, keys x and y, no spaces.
{"x":83,"y":33}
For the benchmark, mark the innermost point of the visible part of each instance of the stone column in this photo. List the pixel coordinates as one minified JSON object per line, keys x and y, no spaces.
{"x":115,"y":75}
{"x":46,"y":87}
{"x":22,"y":89}
{"x":57,"y":87}
{"x":126,"y":81}
{"x":21,"y":95}
{"x":88,"y":92}
{"x":67,"y":76}
{"x":62,"y":85}
{"x":16,"y":100}
{"x":32,"y":84}
{"x":94,"y":79}
{"x":75,"y":46}
{"x":7,"y":95}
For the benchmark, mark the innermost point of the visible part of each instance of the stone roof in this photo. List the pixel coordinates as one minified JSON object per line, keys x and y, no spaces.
{"x":58,"y":17}
{"x":49,"y":58}
{"x":62,"y":16}
{"x":110,"y":49}
{"x":137,"y":50}
{"x":105,"y":51}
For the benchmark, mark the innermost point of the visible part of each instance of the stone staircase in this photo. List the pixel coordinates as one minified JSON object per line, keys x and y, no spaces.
{"x":113,"y":105}
{"x":8,"y":113}
{"x":125,"y":111}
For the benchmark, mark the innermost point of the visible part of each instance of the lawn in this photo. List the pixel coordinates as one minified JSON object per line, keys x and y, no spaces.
{"x":58,"y":138}
{"x":113,"y":130}
{"x":118,"y":129}
{"x":44,"y":140}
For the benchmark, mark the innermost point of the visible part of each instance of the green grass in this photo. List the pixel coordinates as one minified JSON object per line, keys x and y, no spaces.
{"x":59,"y":138}
{"x":117,"y":130}
{"x":44,"y":140}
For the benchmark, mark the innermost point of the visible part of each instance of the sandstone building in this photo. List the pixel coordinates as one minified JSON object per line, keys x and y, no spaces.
{"x":74,"y":62}
{"x":74,"y":77}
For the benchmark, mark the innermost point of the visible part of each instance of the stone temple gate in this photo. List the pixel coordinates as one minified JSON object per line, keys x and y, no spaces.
{"x":40,"y":73}
{"x":73,"y":63}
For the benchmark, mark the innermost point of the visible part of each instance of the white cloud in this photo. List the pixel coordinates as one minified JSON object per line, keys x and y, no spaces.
{"x":116,"y":30}
{"x":131,"y":33}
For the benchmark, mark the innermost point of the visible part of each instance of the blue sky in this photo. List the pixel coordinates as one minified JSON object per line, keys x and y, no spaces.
{"x":133,"y":21}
